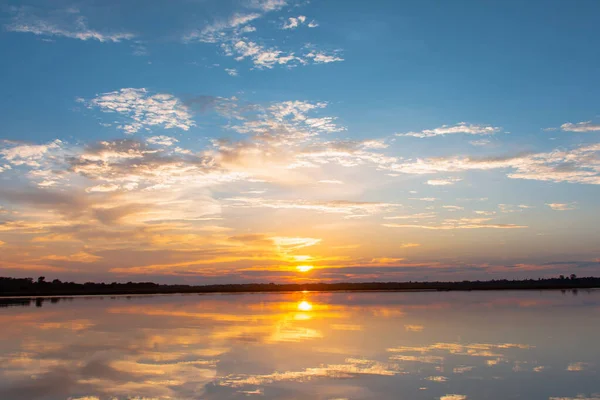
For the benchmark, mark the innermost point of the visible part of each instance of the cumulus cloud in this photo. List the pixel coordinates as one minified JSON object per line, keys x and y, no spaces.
{"x":143,"y":109}
{"x":586,"y":126}
{"x":28,"y":154}
{"x":63,"y":23}
{"x":461,"y":127}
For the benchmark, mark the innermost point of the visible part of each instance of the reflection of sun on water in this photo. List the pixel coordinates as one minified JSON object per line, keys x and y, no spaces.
{"x":304,"y":306}
{"x":304,"y":268}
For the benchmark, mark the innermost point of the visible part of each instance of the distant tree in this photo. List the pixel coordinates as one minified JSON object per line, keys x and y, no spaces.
{"x":56,"y":282}
{"x":573,"y":276}
{"x":41,"y":279}
{"x":562,"y":277}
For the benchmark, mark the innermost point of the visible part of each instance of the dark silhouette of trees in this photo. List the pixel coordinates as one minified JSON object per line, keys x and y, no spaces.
{"x":41,"y":287}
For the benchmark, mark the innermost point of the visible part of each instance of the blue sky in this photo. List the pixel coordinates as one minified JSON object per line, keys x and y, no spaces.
{"x":239,"y":140}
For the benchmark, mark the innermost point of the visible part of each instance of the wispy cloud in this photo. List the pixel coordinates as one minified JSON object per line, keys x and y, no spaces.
{"x":63,"y":23}
{"x":562,"y":206}
{"x":462,"y":223}
{"x":335,"y":206}
{"x":231,"y":71}
{"x":237,"y":39}
{"x":443,"y":182}
{"x":586,"y":126}
{"x":461,"y":127}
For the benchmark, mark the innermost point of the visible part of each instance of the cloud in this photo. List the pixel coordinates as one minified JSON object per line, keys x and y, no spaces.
{"x":335,"y":207}
{"x":81,"y":257}
{"x":480,"y":142}
{"x":453,"y":397}
{"x":143,"y":109}
{"x":578,"y":165}
{"x":414,"y":328}
{"x":443,"y":182}
{"x":562,"y":206}
{"x":268,"y":5}
{"x":461,"y":127}
{"x":64,"y":23}
{"x":233,"y":37}
{"x":320,"y":57}
{"x":231,"y":71}
{"x":29,"y":154}
{"x":222,"y":30}
{"x":294,"y":22}
{"x":293,"y":243}
{"x":586,"y":126}
{"x":462,"y":223}
{"x":162,"y":140}
{"x":414,"y":216}
{"x":351,"y":367}
{"x":261,"y":56}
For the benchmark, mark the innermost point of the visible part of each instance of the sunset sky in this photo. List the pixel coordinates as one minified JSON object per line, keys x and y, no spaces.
{"x":229,"y":141}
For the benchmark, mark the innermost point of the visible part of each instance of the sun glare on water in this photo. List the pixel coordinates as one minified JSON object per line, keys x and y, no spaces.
{"x":304,"y":306}
{"x":304,"y":268}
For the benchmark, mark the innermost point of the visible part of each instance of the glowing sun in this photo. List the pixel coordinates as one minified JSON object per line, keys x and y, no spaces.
{"x":304,"y":268}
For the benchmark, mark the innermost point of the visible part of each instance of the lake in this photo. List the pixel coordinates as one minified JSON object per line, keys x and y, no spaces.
{"x":350,"y":345}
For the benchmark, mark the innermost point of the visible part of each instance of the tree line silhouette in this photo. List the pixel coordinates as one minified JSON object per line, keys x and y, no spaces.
{"x":43,"y":287}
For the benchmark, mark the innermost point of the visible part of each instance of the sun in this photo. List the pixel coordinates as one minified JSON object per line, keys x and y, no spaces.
{"x":304,"y":268}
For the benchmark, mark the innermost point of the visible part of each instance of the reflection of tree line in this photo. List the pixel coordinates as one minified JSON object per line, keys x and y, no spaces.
{"x":42,"y":287}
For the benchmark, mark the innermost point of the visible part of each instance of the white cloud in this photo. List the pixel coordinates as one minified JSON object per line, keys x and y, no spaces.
{"x":231,"y":71}
{"x":361,"y":208}
{"x":29,"y":154}
{"x":262,"y":57}
{"x":313,"y":24}
{"x":480,"y":142}
{"x":222,"y":30}
{"x":562,"y":206}
{"x":462,"y":223}
{"x":162,"y":140}
{"x":268,"y":5}
{"x":586,"y":126}
{"x":320,"y":57}
{"x":68,"y":24}
{"x":414,"y":216}
{"x":294,"y":22}
{"x":461,"y":127}
{"x":331,"y":181}
{"x":144,"y":109}
{"x":443,"y":182}
{"x":579,"y":165}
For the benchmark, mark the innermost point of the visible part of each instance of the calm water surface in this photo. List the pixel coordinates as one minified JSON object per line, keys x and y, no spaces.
{"x":449,"y":346}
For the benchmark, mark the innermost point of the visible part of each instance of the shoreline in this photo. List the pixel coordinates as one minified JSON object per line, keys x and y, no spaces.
{"x":74,"y":294}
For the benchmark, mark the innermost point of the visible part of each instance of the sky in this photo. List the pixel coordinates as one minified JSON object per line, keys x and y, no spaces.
{"x":230,"y":141}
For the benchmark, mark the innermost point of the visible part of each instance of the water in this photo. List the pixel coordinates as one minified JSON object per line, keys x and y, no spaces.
{"x":450,"y":346}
